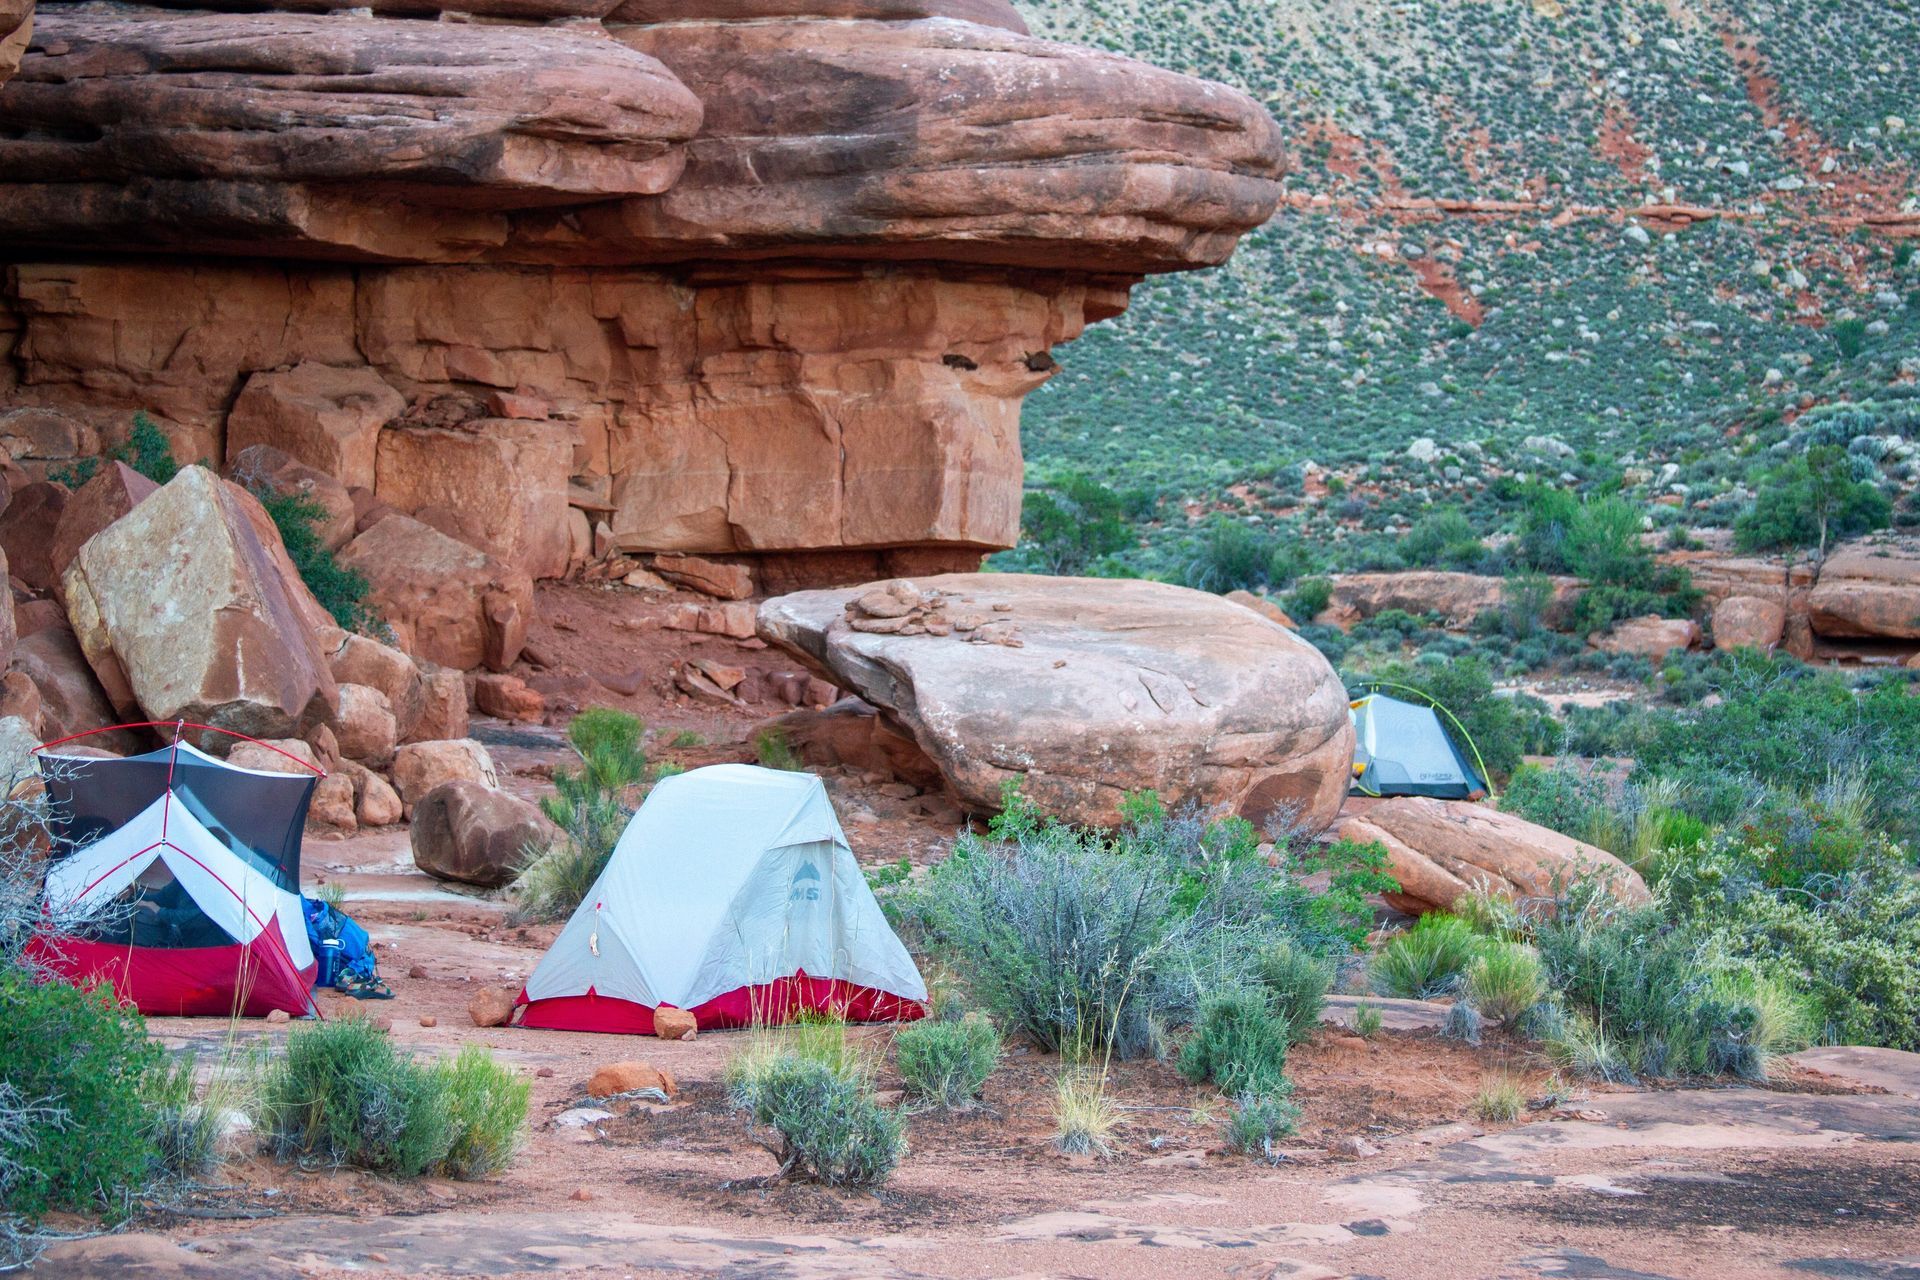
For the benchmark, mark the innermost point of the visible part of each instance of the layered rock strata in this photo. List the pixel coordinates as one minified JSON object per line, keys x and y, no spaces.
{"x":762,"y":278}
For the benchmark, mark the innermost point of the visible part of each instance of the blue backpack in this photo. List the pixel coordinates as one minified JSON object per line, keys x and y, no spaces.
{"x":343,"y":949}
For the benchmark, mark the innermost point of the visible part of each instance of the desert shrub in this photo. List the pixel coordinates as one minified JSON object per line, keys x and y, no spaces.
{"x":343,"y":1095}
{"x":1559,"y":798}
{"x":487,"y":1106}
{"x":1085,"y":1118}
{"x":1491,"y":913}
{"x":1296,"y":981}
{"x":774,"y":750}
{"x":1500,"y":1100}
{"x":1597,"y":539}
{"x":342,"y":591}
{"x":1074,"y":523}
{"x":1310,"y":596}
{"x":826,"y":1127}
{"x":1442,"y":539}
{"x":146,"y":449}
{"x":1661,"y":1003}
{"x":1259,"y":1121}
{"x":1336,"y":919}
{"x":1462,"y":1022}
{"x":1811,"y":500}
{"x":1505,"y":981}
{"x":591,"y":806}
{"x":946,"y":1063}
{"x":1230,"y":555}
{"x":1850,"y":940}
{"x":77,"y":1074}
{"x":1089,"y":942}
{"x":186,"y":1127}
{"x":1426,"y":960}
{"x":1366,"y":1021}
{"x":1239,"y":1043}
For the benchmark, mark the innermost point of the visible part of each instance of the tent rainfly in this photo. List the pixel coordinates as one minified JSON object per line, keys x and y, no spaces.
{"x":731,"y":894}
{"x":191,"y":868}
{"x":1401,"y":749}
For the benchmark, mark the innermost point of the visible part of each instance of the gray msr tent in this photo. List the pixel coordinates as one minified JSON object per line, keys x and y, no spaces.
{"x":1403,"y":750}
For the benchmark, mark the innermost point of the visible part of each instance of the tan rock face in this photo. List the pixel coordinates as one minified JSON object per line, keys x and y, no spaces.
{"x":1439,"y":849}
{"x":447,"y":602}
{"x":1650,"y":637}
{"x":1086,"y":689}
{"x":327,"y":418}
{"x":1458,"y":598}
{"x":113,"y":491}
{"x":1870,"y":588}
{"x":367,"y":732}
{"x":1748,"y":622}
{"x":185,"y":613}
{"x":358,"y":659}
{"x":419,"y":767}
{"x":767,"y":284}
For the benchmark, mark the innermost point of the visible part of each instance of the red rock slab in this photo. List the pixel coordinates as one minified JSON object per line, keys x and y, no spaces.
{"x":940,"y":139}
{"x":468,"y":115}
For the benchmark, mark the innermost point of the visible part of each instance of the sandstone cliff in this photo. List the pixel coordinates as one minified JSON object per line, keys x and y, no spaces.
{"x":727,"y":276}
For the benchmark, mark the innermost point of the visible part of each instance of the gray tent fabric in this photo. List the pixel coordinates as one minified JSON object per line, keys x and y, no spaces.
{"x":1401,"y":749}
{"x":256,"y":814}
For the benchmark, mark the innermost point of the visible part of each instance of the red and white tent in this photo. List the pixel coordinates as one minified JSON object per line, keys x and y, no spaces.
{"x":190,"y":868}
{"x":732,"y":894}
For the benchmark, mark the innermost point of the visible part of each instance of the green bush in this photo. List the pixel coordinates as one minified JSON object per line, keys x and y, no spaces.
{"x":1442,"y":539}
{"x":1809,"y":501}
{"x":343,"y":1095}
{"x":829,"y":1128}
{"x":1309,"y":597}
{"x":1259,"y":1121}
{"x":343,"y":592}
{"x":1505,"y":981}
{"x":76,"y":1076}
{"x":591,"y":806}
{"x":1087,"y":941}
{"x":147,"y":450}
{"x":487,"y":1104}
{"x":946,"y":1063}
{"x":1426,"y":960}
{"x":1296,"y":981}
{"x":1557,"y":798}
{"x":1239,"y":1043}
{"x":1075,"y":523}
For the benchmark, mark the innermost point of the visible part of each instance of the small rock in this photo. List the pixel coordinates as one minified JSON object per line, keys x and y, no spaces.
{"x":429,"y":1021}
{"x":581,"y":1193}
{"x":491,"y":1007}
{"x":626,"y":1077}
{"x":418,"y":971}
{"x":544,"y":1073}
{"x":1355,"y":1146}
{"x":674,"y":1024}
{"x":383,"y":1024}
{"x":279,"y":1016}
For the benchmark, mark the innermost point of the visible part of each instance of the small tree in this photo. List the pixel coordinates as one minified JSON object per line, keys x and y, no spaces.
{"x":1073,"y":524}
{"x":1810,"y":501}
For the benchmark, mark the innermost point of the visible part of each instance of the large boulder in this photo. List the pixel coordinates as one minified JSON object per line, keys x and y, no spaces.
{"x":1086,"y":689}
{"x":419,"y":767}
{"x":366,"y":731}
{"x":114,"y":490}
{"x":16,"y":26}
{"x":1458,"y":598}
{"x":184,"y":612}
{"x":326,"y":418}
{"x":357,"y":659}
{"x":448,"y":603}
{"x":1748,"y":622}
{"x":71,"y":699}
{"x":26,"y":527}
{"x":1869,"y":589}
{"x":1648,"y":637}
{"x":510,"y":476}
{"x":465,"y":831}
{"x":1439,"y":849}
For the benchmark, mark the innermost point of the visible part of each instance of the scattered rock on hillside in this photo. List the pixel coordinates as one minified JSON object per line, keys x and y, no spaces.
{"x":358,"y":659}
{"x":467,"y":832}
{"x":31,"y":513}
{"x":508,"y":698}
{"x":1086,"y":689}
{"x":1439,"y":849}
{"x":443,"y":707}
{"x":709,"y":577}
{"x":367,"y":731}
{"x":71,"y":699}
{"x":1748,"y":622}
{"x":185,"y":613}
{"x":1650,"y":636}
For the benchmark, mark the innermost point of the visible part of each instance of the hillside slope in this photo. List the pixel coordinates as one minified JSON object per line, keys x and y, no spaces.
{"x":1654,"y":232}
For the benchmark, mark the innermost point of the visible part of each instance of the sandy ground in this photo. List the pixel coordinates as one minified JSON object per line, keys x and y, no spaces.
{"x":1818,"y":1176}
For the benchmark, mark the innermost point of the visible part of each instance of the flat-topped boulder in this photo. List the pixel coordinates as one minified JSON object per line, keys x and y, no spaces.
{"x":1084,"y":689}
